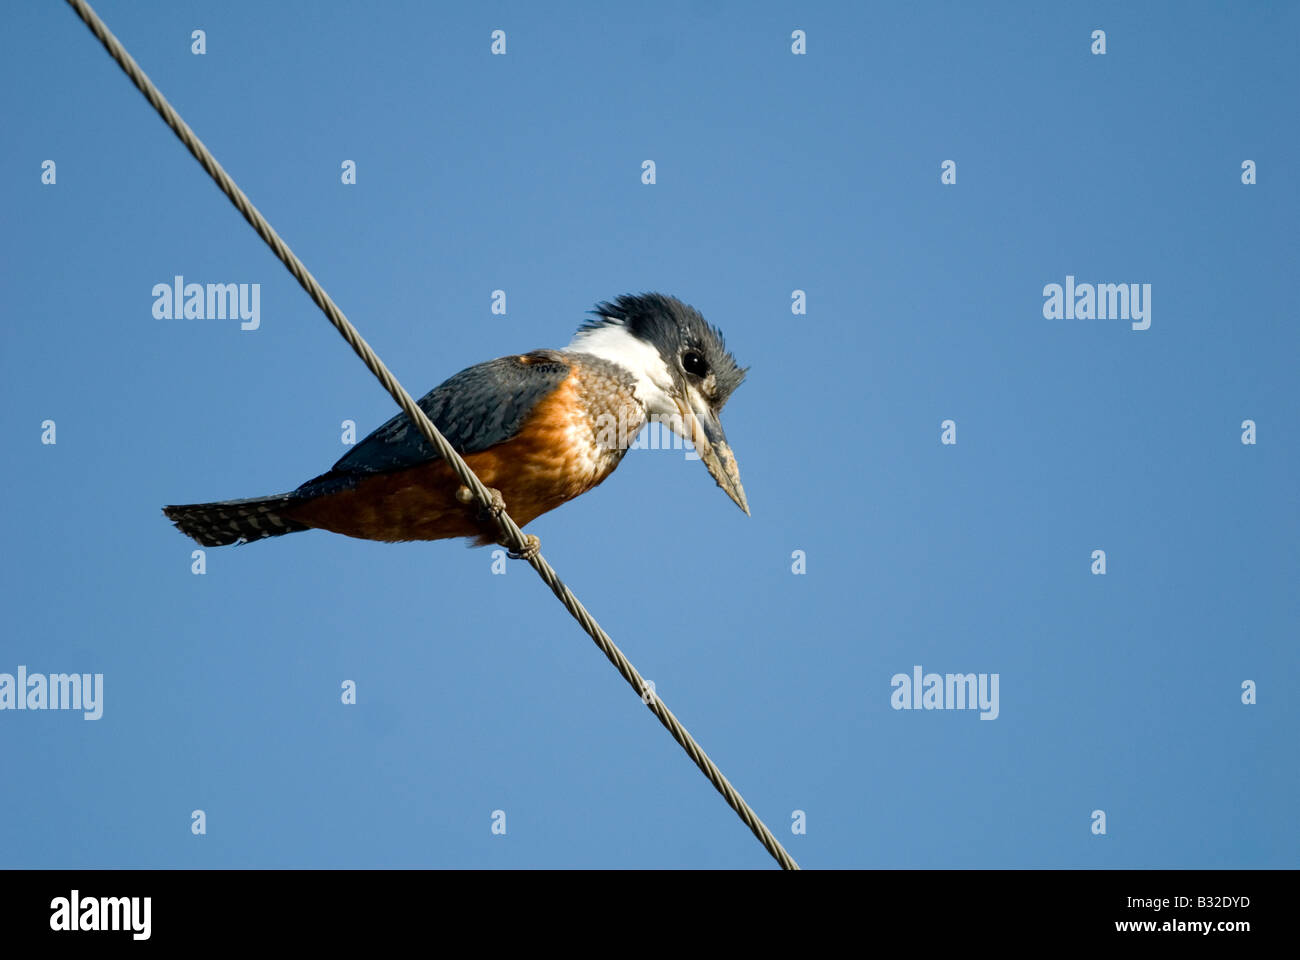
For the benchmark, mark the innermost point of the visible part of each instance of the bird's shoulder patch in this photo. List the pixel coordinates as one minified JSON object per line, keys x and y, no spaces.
{"x":480,"y":407}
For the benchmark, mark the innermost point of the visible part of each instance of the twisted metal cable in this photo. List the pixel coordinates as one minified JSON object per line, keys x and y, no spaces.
{"x":513,"y":536}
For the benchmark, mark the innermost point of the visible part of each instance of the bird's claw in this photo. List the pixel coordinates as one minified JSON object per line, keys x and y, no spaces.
{"x":498,"y":505}
{"x":492,"y":511}
{"x":532,"y":547}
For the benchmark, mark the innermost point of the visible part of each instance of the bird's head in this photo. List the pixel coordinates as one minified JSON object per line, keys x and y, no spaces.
{"x":681,"y":367}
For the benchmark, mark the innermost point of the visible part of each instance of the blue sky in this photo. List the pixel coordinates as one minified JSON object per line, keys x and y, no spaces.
{"x":774,"y":173}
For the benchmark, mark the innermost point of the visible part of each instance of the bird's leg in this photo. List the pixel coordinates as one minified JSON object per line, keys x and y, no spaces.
{"x":532,"y":545}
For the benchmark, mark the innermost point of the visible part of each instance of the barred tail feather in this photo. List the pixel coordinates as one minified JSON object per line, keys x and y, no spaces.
{"x":236,"y":521}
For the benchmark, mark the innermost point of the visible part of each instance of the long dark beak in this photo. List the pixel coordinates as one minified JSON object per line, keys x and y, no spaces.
{"x":705,"y":431}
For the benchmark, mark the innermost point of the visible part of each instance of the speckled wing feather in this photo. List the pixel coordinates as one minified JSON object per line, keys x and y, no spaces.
{"x":478,"y":408}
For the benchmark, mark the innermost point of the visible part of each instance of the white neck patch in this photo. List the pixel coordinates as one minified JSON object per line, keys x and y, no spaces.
{"x":612,"y":342}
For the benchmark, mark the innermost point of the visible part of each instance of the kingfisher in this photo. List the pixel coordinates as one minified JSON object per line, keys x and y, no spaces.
{"x":537,"y":428}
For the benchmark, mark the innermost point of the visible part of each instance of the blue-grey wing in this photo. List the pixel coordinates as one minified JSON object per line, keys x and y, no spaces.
{"x":476,"y":409}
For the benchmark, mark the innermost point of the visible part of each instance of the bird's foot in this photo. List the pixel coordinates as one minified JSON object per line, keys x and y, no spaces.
{"x":492,"y":512}
{"x":494,"y":509}
{"x":532,"y":547}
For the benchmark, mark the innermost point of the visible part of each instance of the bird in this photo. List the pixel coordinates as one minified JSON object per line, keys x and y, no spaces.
{"x":538,"y":428}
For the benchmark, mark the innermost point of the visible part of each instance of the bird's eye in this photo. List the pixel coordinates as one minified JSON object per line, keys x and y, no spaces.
{"x":694,"y":363}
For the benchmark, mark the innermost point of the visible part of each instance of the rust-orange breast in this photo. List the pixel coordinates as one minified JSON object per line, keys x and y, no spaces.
{"x":555,"y":456}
